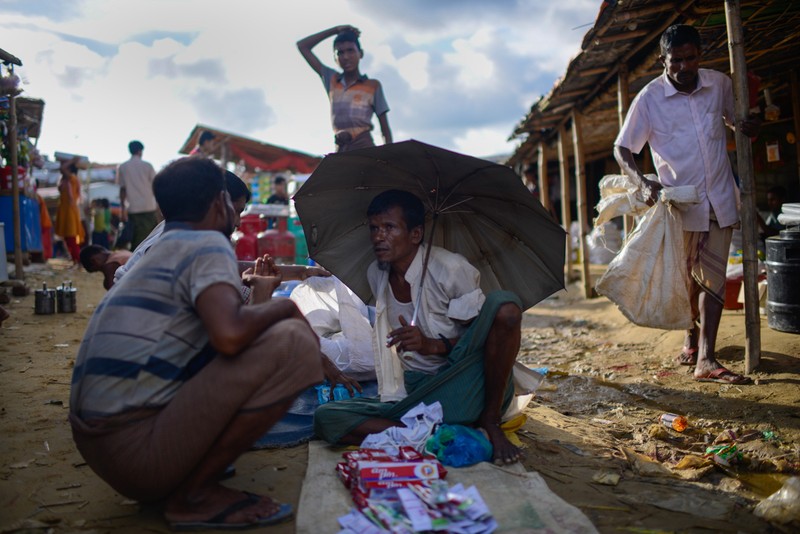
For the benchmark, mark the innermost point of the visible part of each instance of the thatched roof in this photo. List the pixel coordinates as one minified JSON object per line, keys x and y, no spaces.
{"x":627,"y":33}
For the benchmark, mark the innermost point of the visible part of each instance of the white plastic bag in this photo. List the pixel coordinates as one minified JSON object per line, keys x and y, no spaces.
{"x":341,"y":321}
{"x":648,"y":280}
{"x":783,"y":506}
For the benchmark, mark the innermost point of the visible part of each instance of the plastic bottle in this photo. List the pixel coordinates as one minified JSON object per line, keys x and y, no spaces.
{"x":674,"y":421}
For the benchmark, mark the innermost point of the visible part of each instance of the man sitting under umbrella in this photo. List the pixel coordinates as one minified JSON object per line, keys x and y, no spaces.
{"x":459,"y":351}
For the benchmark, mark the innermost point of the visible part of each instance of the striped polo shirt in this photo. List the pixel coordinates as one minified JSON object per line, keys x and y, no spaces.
{"x":145,"y":338}
{"x":352,"y":105}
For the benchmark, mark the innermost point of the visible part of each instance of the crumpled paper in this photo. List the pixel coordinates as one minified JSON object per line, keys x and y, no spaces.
{"x":419,"y":424}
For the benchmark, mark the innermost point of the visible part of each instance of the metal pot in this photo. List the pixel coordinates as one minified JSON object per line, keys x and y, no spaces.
{"x":44,"y":301}
{"x":66,"y":298}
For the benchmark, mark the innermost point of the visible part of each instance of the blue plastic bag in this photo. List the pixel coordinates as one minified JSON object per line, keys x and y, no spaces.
{"x":459,"y":446}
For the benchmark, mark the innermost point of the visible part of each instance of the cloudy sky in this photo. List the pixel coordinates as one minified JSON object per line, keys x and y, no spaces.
{"x":457,"y":73}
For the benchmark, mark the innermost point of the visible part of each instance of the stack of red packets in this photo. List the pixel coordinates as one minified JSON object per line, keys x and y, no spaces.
{"x":377,"y":474}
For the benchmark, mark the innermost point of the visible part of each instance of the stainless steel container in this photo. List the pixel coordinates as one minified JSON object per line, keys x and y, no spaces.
{"x":66,"y":298}
{"x":44,"y":301}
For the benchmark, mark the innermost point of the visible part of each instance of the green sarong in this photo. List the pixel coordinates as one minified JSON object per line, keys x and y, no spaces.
{"x":458,"y":385}
{"x":142,"y":223}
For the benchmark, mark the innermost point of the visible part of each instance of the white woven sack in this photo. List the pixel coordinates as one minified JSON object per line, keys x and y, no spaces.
{"x":647,"y":280}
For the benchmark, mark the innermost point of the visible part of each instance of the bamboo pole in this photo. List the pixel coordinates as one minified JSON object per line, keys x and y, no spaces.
{"x":19,"y":273}
{"x":744,"y":156}
{"x":583,"y":213}
{"x":623,"y":103}
{"x":566,"y":215}
{"x":544,"y":182}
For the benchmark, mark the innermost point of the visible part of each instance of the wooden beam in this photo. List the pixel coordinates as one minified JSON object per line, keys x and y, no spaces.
{"x":620,"y":37}
{"x":592,"y":72}
{"x":744,"y":156}
{"x":566,"y":214}
{"x":544,"y":182}
{"x":623,"y":103}
{"x":583,"y":211}
{"x":19,"y":273}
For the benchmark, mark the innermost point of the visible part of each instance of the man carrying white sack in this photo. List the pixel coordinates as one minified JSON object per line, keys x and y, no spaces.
{"x":682,"y":115}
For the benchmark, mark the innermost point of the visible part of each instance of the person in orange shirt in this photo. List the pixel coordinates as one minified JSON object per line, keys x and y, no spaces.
{"x":68,"y":216}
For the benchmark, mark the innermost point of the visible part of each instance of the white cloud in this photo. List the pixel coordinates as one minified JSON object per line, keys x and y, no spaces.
{"x":113,"y":71}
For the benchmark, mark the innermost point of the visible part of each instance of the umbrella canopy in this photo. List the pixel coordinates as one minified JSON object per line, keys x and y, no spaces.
{"x":482,"y":212}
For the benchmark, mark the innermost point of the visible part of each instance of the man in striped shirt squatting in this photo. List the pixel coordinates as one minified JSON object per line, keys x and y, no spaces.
{"x":175,"y":378}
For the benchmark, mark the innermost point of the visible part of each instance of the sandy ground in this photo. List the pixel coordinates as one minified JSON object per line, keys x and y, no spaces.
{"x":609,"y":380}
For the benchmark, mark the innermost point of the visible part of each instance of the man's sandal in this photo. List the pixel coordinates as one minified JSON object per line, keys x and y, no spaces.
{"x":724,"y":376}
{"x":219,"y":521}
{"x":688,"y":356}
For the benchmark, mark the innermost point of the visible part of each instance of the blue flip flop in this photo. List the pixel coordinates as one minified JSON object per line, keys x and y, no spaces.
{"x":218,"y":522}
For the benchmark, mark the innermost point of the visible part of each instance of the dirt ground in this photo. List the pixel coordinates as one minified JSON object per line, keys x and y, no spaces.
{"x":591,"y":432}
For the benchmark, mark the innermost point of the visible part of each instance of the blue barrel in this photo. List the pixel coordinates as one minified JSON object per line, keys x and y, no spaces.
{"x":783,"y":281}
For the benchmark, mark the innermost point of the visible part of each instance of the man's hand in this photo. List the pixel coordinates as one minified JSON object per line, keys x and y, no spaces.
{"x":410,"y":338}
{"x":751,"y":126}
{"x":263,"y":277}
{"x":650,"y":189}
{"x":347,"y":27}
{"x":335,"y":376}
{"x":314,"y":270}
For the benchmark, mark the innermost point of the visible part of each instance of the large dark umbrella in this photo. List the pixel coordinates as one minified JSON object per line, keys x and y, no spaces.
{"x":474,"y":207}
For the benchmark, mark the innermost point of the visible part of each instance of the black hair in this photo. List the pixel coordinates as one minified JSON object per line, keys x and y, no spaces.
{"x":185,"y":188}
{"x":87,"y":253}
{"x":236,"y":187}
{"x":134,"y":147}
{"x":280,"y":180}
{"x":347,"y":37}
{"x":205,"y":136}
{"x":679,"y":35}
{"x":413,"y":210}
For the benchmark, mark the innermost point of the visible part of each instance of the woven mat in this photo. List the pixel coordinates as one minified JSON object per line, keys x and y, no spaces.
{"x":520,"y":501}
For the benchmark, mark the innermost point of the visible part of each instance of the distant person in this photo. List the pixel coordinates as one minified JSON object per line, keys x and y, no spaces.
{"x":166,"y":398}
{"x":96,"y":258}
{"x":207,"y":144}
{"x":771,"y":226}
{"x":354,"y":97}
{"x":68,"y":217}
{"x":280,"y":194}
{"x":101,"y":222}
{"x":135,"y":178}
{"x":682,"y":115}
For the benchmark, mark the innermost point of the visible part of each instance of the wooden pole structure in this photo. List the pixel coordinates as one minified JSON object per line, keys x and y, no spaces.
{"x":566,"y":214}
{"x":744,"y":156}
{"x":544,"y":182}
{"x":583,"y":212}
{"x":623,"y":103}
{"x":19,"y":274}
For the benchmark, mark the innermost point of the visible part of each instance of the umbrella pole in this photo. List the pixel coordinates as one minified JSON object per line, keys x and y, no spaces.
{"x":424,"y":270}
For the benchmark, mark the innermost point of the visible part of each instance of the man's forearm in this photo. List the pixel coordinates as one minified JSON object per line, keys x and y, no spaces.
{"x":628,"y":165}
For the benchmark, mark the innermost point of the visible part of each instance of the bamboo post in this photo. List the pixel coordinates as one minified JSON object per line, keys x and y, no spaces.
{"x":583,"y":213}
{"x":19,"y":274}
{"x":566,"y":215}
{"x":623,"y":103}
{"x":544,"y":182}
{"x":744,"y":156}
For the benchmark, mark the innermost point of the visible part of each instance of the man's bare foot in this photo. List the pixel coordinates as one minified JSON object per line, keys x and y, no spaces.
{"x":224,"y":508}
{"x":503,"y":451}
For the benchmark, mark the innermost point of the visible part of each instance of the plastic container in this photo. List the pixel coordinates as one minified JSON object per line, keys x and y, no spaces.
{"x":674,"y":421}
{"x":783,"y":281}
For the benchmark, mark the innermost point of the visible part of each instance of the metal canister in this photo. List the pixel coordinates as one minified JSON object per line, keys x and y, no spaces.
{"x":44,"y":301}
{"x":66,"y":298}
